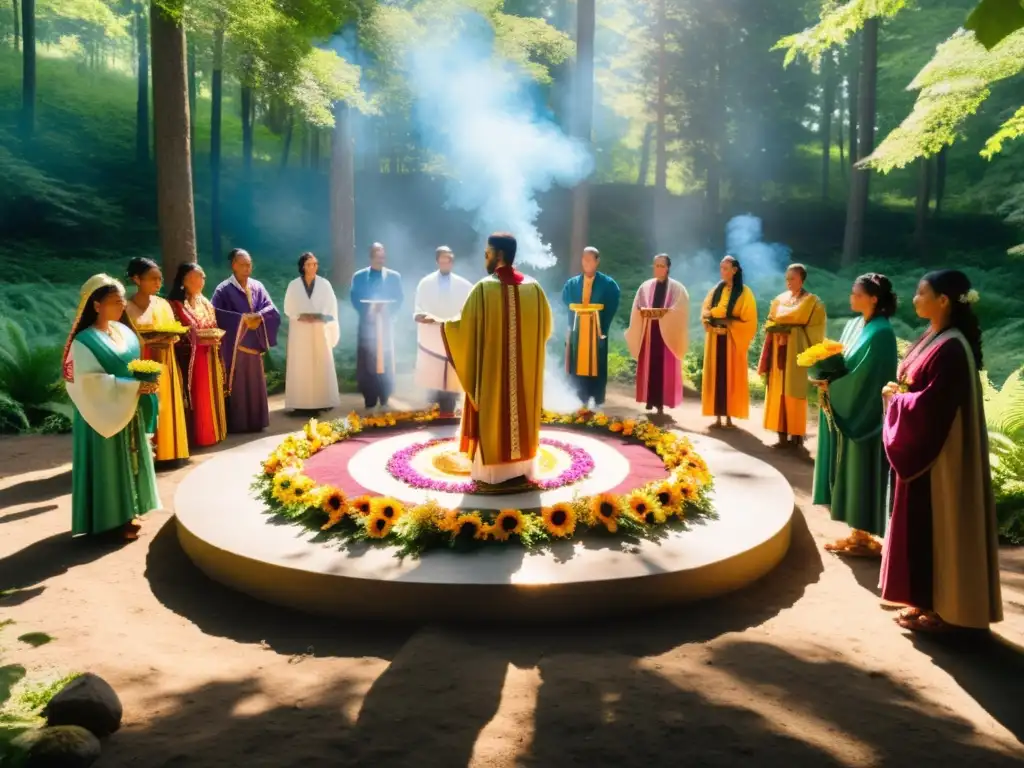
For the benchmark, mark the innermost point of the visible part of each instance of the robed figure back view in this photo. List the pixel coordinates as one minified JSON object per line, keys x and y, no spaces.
{"x":497,"y":348}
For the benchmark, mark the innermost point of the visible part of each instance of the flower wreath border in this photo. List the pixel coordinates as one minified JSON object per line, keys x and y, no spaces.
{"x":288,"y":493}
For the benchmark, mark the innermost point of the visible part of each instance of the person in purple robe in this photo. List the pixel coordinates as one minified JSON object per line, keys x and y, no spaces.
{"x":941,"y":556}
{"x":249,"y":319}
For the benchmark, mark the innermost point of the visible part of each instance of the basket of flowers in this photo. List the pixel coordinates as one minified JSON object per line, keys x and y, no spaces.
{"x":145,"y":370}
{"x":824,"y":361}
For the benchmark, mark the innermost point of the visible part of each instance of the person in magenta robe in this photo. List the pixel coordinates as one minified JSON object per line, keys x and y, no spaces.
{"x":657,"y":337}
{"x":250,"y":322}
{"x":941,"y":555}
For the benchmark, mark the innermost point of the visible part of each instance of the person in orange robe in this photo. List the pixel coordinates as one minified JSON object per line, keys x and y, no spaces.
{"x":729,"y":316}
{"x":199,"y":356}
{"x":796,"y":321}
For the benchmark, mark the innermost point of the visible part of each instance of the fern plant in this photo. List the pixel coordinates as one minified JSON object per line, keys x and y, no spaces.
{"x":30,"y":385}
{"x":1004,"y":415}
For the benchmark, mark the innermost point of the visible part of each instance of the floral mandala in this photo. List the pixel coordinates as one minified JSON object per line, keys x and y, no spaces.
{"x":400,"y":467}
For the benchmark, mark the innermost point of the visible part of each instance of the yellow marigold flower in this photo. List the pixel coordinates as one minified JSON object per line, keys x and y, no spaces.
{"x":470,"y":525}
{"x":361,"y":505}
{"x":385,"y":506}
{"x":559,"y":520}
{"x":615,"y":426}
{"x":272,"y":465}
{"x":509,"y":522}
{"x":448,"y":521}
{"x":604,"y":509}
{"x":628,"y":426}
{"x":378,"y":526}
{"x":601,"y":420}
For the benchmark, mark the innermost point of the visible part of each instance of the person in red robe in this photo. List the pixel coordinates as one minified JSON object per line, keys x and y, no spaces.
{"x":941,"y":555}
{"x":199,"y":357}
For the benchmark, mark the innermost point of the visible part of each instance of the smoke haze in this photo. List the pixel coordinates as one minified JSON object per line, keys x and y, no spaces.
{"x":499,"y":151}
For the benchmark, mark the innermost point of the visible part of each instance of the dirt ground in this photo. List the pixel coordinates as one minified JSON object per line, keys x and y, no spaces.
{"x":804,"y":668}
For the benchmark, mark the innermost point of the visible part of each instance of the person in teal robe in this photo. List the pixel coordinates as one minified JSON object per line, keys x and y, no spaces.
{"x":851,"y":472}
{"x":112,"y":477}
{"x":586,"y":349}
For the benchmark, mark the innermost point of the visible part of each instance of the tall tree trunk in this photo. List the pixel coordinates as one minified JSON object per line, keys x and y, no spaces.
{"x":840,"y":140}
{"x":192,"y":94}
{"x":17,"y":26}
{"x":247,"y":116}
{"x":28,"y":67}
{"x":216,"y":112}
{"x":342,"y":198}
{"x":857,"y":205}
{"x":661,"y":107}
{"x":175,"y":211}
{"x":645,"y":156}
{"x":940,"y":178}
{"x":142,"y":89}
{"x":288,"y":131}
{"x":713,"y":180}
{"x":827,"y":108}
{"x":924,"y":194}
{"x":854,"y":61}
{"x":583,"y":115}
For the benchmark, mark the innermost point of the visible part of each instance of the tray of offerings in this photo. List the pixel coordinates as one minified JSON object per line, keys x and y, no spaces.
{"x":586,"y":307}
{"x":771,"y":327}
{"x":208,"y":334}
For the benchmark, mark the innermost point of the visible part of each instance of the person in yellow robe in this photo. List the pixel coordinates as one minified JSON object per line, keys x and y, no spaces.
{"x":796,"y":321}
{"x":146,"y":314}
{"x":497,"y":348}
{"x":729,"y":316}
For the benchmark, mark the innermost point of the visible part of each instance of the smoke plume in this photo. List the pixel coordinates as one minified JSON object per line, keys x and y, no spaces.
{"x":499,"y":150}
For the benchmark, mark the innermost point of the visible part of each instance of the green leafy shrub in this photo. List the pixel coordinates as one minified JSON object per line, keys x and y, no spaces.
{"x":31,"y":389}
{"x":1004,"y":414}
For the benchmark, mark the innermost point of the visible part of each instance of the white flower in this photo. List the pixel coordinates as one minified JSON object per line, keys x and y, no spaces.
{"x":971,"y":297}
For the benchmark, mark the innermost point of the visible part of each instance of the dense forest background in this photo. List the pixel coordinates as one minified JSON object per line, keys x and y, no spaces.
{"x":179,"y":131}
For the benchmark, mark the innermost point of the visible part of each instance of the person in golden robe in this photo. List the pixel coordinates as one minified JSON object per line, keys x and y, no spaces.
{"x":729,"y":316}
{"x":497,"y":349}
{"x":147,"y":314}
{"x":796,"y":321}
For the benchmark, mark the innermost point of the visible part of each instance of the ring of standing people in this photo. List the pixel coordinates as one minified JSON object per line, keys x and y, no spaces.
{"x":902,"y":450}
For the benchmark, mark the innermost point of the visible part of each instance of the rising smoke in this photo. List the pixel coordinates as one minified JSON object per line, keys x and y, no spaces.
{"x":499,"y":151}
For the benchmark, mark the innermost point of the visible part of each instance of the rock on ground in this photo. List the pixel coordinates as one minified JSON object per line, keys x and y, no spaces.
{"x":62,"y":746}
{"x":87,"y":701}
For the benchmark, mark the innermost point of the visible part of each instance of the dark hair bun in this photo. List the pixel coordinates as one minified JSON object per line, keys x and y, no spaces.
{"x":139,"y":266}
{"x":880,"y":287}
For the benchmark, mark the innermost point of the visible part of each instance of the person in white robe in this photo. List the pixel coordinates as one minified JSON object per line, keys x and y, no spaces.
{"x":311,"y":381}
{"x":439,"y":295}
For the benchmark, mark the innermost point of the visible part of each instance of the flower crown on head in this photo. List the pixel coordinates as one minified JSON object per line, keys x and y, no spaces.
{"x":971,"y":297}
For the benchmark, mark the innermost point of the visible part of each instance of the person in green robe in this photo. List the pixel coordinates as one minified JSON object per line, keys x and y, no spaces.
{"x":112,"y":477}
{"x":851,"y":471}
{"x":591,"y":299}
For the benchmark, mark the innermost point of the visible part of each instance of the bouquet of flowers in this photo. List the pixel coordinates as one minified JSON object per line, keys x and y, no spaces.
{"x":163,"y":330}
{"x":145,"y":370}
{"x":717,"y":317}
{"x":771,"y":326}
{"x":823,"y":361}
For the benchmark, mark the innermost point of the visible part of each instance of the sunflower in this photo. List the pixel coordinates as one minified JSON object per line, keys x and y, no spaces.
{"x":361,"y":505}
{"x":377,"y":526}
{"x":283,"y":482}
{"x":300,"y":491}
{"x":688,"y":489}
{"x":385,"y":506}
{"x":509,"y":522}
{"x":646,"y":508}
{"x":334,"y":502}
{"x":604,"y":509}
{"x":559,"y":520}
{"x":470,"y":526}
{"x":669,"y":495}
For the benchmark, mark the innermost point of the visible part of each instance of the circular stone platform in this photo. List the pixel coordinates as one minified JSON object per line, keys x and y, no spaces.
{"x":225,"y":532}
